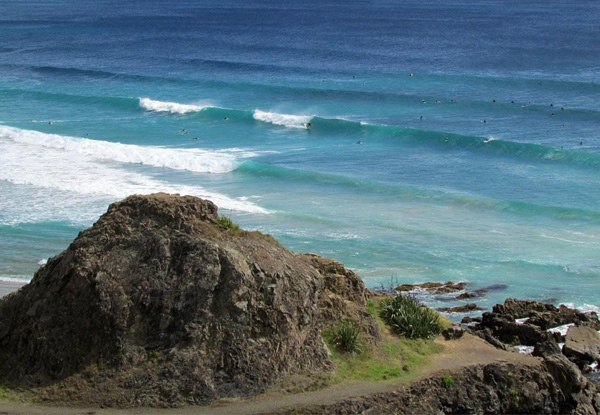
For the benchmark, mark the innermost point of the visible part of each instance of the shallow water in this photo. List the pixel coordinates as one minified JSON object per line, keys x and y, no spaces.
{"x":448,"y":140}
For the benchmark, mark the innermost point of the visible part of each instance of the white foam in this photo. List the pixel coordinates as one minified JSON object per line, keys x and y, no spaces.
{"x":521,"y":320}
{"x":66,"y":172}
{"x":22,"y":280}
{"x":584,"y":308}
{"x":171,"y":107}
{"x":42,"y":262}
{"x":560,"y":329}
{"x":524,"y":349}
{"x":196,"y":160}
{"x":287,"y":120}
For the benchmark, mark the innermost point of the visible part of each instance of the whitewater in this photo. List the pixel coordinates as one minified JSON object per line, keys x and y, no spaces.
{"x":411,"y":141}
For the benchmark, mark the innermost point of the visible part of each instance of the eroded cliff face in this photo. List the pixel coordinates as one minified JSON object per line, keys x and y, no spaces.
{"x":160,"y":303}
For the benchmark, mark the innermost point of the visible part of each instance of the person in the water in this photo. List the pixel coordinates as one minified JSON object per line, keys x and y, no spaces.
{"x":308,"y":125}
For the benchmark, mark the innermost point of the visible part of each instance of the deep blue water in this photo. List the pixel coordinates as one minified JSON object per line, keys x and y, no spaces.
{"x":449,"y":140}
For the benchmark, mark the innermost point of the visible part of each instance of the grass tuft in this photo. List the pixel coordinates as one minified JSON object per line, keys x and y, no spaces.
{"x":225,"y":223}
{"x":447,"y":381}
{"x":346,"y":337}
{"x":406,"y":316}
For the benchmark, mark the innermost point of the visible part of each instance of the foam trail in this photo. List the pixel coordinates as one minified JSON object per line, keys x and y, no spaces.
{"x":67,"y":166}
{"x":286,"y":120}
{"x":171,"y":107}
{"x":196,"y":160}
{"x":21,"y":280}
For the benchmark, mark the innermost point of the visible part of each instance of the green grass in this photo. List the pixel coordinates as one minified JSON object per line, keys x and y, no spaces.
{"x":394,"y":358}
{"x":447,"y":381}
{"x":372,"y":307}
{"x":407,"y":317}
{"x":225,"y":223}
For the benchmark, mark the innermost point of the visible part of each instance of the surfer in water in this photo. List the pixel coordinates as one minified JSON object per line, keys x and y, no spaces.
{"x":308,"y":125}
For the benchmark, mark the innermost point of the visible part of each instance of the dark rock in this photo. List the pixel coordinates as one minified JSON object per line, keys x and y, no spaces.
{"x":466,"y":296}
{"x":433,"y":287}
{"x":460,"y":309}
{"x":513,"y":309}
{"x":344,"y":297}
{"x":487,"y":335}
{"x":500,"y":324}
{"x":469,"y":320}
{"x":453,"y":333}
{"x":562,"y":315}
{"x":582,"y":344}
{"x":497,"y":388}
{"x":546,"y":348}
{"x":496,"y":287}
{"x":157,"y":303}
{"x":510,"y":332}
{"x":569,"y":380}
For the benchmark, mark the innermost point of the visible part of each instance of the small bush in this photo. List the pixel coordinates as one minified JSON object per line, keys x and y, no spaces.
{"x":447,"y":381}
{"x":513,"y":393}
{"x":409,"y":318}
{"x":346,"y":337}
{"x":226,"y":223}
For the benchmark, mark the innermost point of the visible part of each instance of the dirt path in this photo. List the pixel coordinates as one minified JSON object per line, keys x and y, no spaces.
{"x":457,"y":354}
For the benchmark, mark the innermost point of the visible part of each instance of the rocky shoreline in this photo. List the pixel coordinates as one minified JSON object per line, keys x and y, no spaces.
{"x":163,"y":303}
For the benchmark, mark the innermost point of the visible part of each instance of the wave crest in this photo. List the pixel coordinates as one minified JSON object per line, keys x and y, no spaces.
{"x":286,"y":120}
{"x":196,"y":160}
{"x":171,"y":107}
{"x":76,"y":171}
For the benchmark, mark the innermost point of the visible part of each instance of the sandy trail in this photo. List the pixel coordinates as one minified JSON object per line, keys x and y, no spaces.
{"x":467,"y":351}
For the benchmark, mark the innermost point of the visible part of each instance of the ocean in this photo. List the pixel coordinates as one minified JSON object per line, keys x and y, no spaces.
{"x":447,"y":140}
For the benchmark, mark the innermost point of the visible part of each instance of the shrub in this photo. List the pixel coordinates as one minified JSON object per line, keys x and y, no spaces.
{"x":409,"y":318}
{"x":447,"y":381}
{"x":226,"y":223}
{"x":346,"y":337}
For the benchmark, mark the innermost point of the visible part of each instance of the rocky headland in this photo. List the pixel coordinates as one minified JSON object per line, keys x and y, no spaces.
{"x":162,"y":302}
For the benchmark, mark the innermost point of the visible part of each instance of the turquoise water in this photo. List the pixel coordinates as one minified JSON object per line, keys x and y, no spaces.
{"x":447,"y":141}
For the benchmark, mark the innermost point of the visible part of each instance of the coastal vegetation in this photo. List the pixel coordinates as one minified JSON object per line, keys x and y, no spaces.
{"x":409,"y":318}
{"x":346,"y":337}
{"x":225,"y":223}
{"x":394,"y":357}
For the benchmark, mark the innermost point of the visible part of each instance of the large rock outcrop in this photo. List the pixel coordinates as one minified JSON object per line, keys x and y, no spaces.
{"x":158,"y":303}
